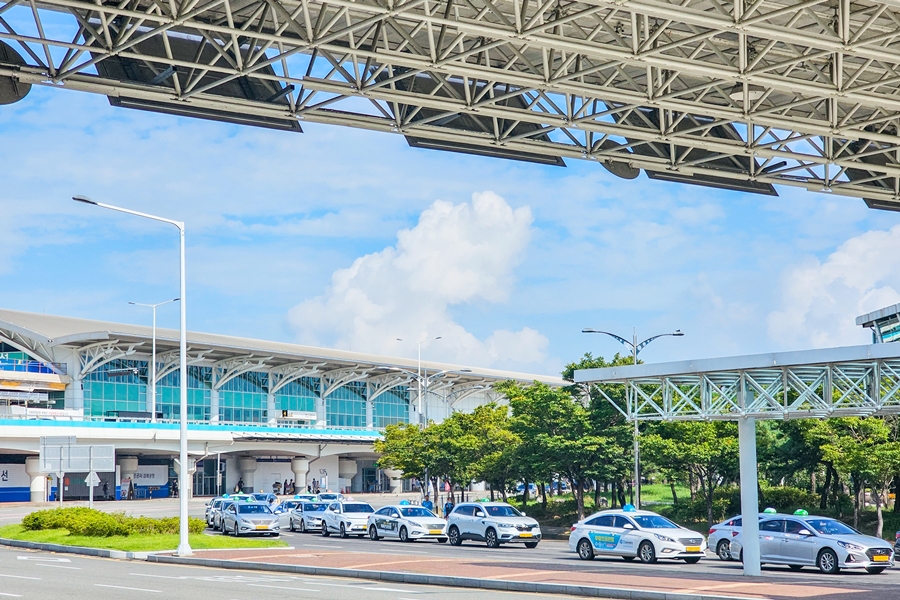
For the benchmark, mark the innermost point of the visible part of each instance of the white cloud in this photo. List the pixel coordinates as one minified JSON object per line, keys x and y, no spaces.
{"x":820,"y":300}
{"x":456,"y":254}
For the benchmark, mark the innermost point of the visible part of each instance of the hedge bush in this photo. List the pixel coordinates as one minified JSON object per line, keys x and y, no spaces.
{"x":86,"y":521}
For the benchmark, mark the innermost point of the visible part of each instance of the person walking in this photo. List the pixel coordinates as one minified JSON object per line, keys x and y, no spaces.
{"x":174,"y":488}
{"x":106,"y":490}
{"x":427,"y":503}
{"x":448,"y":507}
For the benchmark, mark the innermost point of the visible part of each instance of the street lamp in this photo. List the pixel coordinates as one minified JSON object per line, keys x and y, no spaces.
{"x":422,"y":407}
{"x":635,"y":350}
{"x":184,"y":547}
{"x":153,"y":356}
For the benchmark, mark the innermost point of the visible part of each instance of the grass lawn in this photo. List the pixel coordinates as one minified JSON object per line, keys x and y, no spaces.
{"x":135,"y":543}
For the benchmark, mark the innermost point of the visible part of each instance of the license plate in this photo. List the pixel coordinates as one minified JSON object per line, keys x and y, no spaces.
{"x":434,"y":532}
{"x":262,"y":526}
{"x":880,"y":558}
{"x":693,"y":549}
{"x":526,"y":535}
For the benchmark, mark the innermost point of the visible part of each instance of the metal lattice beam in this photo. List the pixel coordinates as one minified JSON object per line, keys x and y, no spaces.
{"x":852,"y":381}
{"x":741,"y":94}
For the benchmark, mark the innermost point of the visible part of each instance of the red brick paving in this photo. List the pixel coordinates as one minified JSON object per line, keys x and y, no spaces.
{"x":536,"y":572}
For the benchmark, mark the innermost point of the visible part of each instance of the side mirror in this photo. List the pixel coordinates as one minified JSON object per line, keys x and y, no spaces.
{"x":805,"y":532}
{"x":629,"y":526}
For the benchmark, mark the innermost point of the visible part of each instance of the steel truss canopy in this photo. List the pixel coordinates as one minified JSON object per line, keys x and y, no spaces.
{"x":832,"y":382}
{"x":740,"y":94}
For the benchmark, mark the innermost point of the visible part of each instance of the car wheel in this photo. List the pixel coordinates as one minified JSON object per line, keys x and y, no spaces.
{"x":235,"y":532}
{"x":404,"y":534}
{"x":692,"y":560}
{"x":490,"y":538}
{"x":325,"y":532}
{"x":455,"y":538}
{"x":343,"y":532}
{"x":795,"y":567}
{"x":531,"y":544}
{"x":828,"y":561}
{"x":373,"y":533}
{"x":647,"y":553}
{"x":291,"y":525}
{"x":585,"y":550}
{"x":723,"y":550}
{"x":875,"y":570}
{"x":302,"y":526}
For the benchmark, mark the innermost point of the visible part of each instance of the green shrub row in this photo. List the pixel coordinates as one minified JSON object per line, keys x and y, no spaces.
{"x":727,"y":503}
{"x":87,"y":521}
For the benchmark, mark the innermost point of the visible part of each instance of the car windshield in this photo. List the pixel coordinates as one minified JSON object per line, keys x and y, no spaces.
{"x":415,"y":511}
{"x":254,"y":509}
{"x":311,"y":507}
{"x":502,"y":511}
{"x":831,"y":527}
{"x":654,"y":522}
{"x":327,"y":496}
{"x":358,"y":508}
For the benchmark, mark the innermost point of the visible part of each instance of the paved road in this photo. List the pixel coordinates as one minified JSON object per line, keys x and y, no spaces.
{"x":42,"y":576}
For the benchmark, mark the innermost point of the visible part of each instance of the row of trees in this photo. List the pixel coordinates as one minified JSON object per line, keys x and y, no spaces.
{"x":550,"y":434}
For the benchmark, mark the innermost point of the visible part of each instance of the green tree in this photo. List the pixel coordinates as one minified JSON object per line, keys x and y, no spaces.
{"x":709,"y":450}
{"x":404,"y":447}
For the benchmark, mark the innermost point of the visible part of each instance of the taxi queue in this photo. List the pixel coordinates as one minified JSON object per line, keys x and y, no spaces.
{"x":795,"y":540}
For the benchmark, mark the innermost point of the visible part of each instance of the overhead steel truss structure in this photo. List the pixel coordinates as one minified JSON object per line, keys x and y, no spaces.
{"x":852,"y":381}
{"x":739,"y":94}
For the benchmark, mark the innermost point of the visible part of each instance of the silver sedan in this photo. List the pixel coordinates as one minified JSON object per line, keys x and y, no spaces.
{"x":800,"y":540}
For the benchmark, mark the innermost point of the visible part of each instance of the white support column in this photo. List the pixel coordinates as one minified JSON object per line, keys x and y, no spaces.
{"x":270,"y":409}
{"x":247,"y":467}
{"x":38,"y":479}
{"x":749,"y":495}
{"x":300,"y":467}
{"x":213,"y":405}
{"x":321,"y":416}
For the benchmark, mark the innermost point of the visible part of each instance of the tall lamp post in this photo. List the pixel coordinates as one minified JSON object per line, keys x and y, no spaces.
{"x":184,"y":547}
{"x":635,"y":350}
{"x":422,"y":407}
{"x":153,"y":356}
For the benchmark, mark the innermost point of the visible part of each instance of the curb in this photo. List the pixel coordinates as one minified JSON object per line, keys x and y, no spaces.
{"x":102,"y":553}
{"x":443,"y":580}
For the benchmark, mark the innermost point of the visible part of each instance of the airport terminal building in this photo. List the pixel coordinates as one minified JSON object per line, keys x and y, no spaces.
{"x":259,"y":412}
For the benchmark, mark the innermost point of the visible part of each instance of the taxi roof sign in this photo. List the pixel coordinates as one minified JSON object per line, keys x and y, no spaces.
{"x":770,"y":511}
{"x":801,"y":513}
{"x":629,"y":508}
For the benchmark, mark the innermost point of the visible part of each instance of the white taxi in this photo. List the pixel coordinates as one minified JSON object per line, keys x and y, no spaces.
{"x":407,"y":523}
{"x":632,"y":533}
{"x":346,"y":518}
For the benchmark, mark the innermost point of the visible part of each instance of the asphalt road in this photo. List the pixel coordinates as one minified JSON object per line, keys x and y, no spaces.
{"x":39,"y":576}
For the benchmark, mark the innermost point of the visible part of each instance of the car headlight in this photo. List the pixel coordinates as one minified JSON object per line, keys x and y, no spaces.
{"x":663,"y":538}
{"x":852,"y":547}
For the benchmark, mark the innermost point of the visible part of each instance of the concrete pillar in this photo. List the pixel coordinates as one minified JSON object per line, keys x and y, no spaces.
{"x":38,"y":479}
{"x":247,"y":467}
{"x":347,"y":468}
{"x":370,"y":414}
{"x":749,"y":495}
{"x":300,"y":467}
{"x":396,"y":478}
{"x":271,"y":409}
{"x":213,"y":405}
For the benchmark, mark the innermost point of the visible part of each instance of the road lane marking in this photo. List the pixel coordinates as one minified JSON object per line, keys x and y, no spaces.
{"x":121,"y":587}
{"x":360,"y":586}
{"x":58,"y":566}
{"x":20,"y":577}
{"x":11,"y":595}
{"x":44,"y":558}
{"x":321,"y":546}
{"x":283,"y":587}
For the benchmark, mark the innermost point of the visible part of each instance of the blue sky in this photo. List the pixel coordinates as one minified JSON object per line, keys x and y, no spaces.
{"x":350,"y":239}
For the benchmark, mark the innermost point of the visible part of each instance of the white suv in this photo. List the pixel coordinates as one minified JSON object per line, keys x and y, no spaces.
{"x":494,"y":523}
{"x":346,"y":518}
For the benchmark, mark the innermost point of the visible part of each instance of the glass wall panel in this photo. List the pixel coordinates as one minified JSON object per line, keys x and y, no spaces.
{"x":168,"y":394}
{"x":243,"y":399}
{"x":392,"y":407}
{"x":128,"y":392}
{"x":346,"y":406}
{"x":299,"y":395}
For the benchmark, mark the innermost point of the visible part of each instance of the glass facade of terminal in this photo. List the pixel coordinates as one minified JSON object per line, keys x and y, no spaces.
{"x":121,"y":386}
